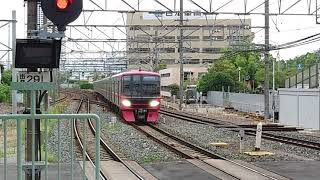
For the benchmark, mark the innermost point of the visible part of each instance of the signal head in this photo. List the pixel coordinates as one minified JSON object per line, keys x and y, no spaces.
{"x":62,"y":12}
{"x":63,"y":4}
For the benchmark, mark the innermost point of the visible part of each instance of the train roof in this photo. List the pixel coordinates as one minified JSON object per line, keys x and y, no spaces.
{"x":131,"y":73}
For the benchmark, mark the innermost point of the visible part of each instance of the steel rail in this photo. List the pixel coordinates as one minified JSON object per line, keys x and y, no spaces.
{"x":190,"y":145}
{"x":198,"y":149}
{"x":76,"y":130}
{"x":248,"y":131}
{"x":108,"y":149}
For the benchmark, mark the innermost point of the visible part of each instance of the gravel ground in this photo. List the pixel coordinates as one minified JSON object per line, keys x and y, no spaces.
{"x":131,"y":143}
{"x":299,"y":135}
{"x":65,"y":136}
{"x":203,"y":135}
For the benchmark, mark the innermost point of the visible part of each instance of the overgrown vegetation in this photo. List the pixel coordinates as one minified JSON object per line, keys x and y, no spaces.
{"x":174,"y":89}
{"x":5,"y":95}
{"x":85,"y":85}
{"x":151,"y":158}
{"x":112,"y":127}
{"x":57,"y":109}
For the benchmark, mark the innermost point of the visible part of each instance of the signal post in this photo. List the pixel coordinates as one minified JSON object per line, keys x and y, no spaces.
{"x":36,"y":55}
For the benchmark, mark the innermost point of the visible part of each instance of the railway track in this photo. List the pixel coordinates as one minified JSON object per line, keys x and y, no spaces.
{"x":189,"y":150}
{"x":176,"y":144}
{"x":87,"y":147}
{"x":249,"y":130}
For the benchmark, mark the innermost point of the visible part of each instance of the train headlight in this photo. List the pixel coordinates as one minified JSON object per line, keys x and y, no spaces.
{"x":126,"y":103}
{"x":154,"y":103}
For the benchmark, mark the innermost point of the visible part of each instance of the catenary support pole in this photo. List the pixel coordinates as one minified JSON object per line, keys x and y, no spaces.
{"x":266,"y":61}
{"x":32,"y":141}
{"x":181,"y":55}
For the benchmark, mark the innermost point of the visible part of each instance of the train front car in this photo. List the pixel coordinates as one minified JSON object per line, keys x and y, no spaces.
{"x":140,"y":97}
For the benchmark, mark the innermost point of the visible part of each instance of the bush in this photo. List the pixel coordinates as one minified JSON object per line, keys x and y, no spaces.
{"x":174,"y":89}
{"x":5,"y":94}
{"x":85,"y":85}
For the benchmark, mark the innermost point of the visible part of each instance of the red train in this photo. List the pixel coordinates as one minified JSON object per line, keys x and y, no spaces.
{"x":135,"y":94}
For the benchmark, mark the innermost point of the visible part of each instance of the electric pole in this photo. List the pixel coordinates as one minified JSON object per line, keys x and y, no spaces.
{"x":32,"y":26}
{"x":181,"y":55}
{"x":266,"y":61}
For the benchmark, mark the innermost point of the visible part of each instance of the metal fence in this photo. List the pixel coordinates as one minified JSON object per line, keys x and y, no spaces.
{"x":13,"y":149}
{"x":13,"y":144}
{"x":308,"y":78}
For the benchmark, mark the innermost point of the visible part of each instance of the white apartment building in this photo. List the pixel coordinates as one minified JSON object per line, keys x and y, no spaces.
{"x":153,"y":38}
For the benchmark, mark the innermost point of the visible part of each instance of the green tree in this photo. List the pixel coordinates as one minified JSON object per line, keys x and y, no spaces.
{"x":174,"y":89}
{"x":160,"y":67}
{"x":214,"y":81}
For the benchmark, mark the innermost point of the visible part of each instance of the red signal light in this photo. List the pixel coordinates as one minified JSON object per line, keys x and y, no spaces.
{"x":63,"y":4}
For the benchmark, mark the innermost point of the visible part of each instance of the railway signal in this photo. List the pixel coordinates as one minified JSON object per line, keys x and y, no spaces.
{"x":62,"y":12}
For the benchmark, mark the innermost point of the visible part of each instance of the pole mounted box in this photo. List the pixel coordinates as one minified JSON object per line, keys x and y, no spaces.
{"x":37,"y":53}
{"x":62,"y":12}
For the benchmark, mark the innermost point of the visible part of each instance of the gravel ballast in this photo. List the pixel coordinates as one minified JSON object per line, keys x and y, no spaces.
{"x":129,"y":142}
{"x":203,"y":135}
{"x":65,"y":137}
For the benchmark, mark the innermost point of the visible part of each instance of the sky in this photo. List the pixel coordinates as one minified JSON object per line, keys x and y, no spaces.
{"x":282,"y":28}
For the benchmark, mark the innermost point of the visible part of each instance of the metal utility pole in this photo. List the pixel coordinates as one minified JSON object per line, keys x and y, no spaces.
{"x":155,"y":63}
{"x":14,"y":72}
{"x":266,"y":61}
{"x":181,"y":55}
{"x":32,"y":145}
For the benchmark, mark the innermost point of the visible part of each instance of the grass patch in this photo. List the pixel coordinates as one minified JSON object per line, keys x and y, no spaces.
{"x":57,"y":109}
{"x":52,"y":158}
{"x":151,"y":158}
{"x":112,"y":127}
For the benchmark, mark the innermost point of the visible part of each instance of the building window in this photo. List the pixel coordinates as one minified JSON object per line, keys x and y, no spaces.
{"x":143,"y":62}
{"x":191,"y":28}
{"x":166,"y":50}
{"x":165,"y":75}
{"x":236,"y":38}
{"x":213,"y":38}
{"x":214,"y":29}
{"x":139,"y":50}
{"x":168,"y":38}
{"x":197,"y":13}
{"x":168,"y":61}
{"x":190,"y":50}
{"x":187,"y":75}
{"x":188,"y":13}
{"x":142,"y":28}
{"x":207,"y":61}
{"x":142,"y":37}
{"x":235,"y":27}
{"x":165,"y":88}
{"x":189,"y":38}
{"x":191,"y":61}
{"x":211,"y":50}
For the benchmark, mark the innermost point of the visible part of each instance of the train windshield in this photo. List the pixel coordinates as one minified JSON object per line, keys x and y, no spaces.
{"x":141,"y":85}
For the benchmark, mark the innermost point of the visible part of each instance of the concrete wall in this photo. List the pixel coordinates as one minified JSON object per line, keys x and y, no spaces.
{"x":215,"y":98}
{"x":300,"y":107}
{"x":247,"y":102}
{"x":240,"y":101}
